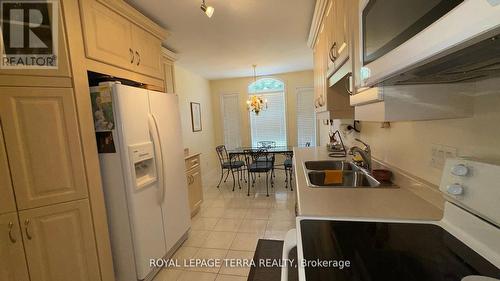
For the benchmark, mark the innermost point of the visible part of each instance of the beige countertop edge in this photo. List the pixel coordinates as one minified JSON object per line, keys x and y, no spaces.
{"x":191,"y":155}
{"x":392,"y":203}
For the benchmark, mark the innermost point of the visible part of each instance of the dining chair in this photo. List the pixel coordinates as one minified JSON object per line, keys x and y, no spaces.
{"x":258,"y":162}
{"x":229,"y":164}
{"x":287,"y":167}
{"x":288,"y":164}
{"x":267,"y":145}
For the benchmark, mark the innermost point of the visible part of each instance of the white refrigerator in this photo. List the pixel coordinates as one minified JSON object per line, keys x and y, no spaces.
{"x":142,"y":164}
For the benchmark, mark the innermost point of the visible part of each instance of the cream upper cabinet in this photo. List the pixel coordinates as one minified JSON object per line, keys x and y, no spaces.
{"x":167,"y":60}
{"x":12,"y":260}
{"x":59,"y":242}
{"x":41,"y":135}
{"x":7,"y":203}
{"x":336,"y":22}
{"x":320,"y":69}
{"x":147,"y":50}
{"x":329,"y":21}
{"x":108,"y":35}
{"x":169,"y":76}
{"x":113,"y":36}
{"x":341,"y":26}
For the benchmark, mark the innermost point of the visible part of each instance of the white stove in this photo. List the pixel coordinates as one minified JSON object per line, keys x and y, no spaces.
{"x":464,"y":245}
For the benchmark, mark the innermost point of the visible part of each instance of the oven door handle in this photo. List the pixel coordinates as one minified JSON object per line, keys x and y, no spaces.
{"x":288,"y":245}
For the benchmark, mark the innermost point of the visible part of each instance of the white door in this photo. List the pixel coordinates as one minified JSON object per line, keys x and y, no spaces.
{"x":175,"y":207}
{"x":144,"y":206}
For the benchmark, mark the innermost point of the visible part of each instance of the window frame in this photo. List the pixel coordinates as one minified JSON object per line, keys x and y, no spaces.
{"x":285,"y":104}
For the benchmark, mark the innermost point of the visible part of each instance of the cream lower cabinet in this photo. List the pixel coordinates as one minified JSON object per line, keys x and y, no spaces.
{"x":59,"y":242}
{"x":195,"y":187}
{"x":12,"y":259}
{"x":40,"y":148}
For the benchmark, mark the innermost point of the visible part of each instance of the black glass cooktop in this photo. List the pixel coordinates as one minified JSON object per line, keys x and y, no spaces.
{"x":379,"y":251}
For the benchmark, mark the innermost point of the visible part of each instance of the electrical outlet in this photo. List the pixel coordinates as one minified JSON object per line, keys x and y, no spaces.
{"x":439,"y":154}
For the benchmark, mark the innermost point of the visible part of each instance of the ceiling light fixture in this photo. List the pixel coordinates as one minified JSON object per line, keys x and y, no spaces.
{"x":256,"y":103}
{"x":208,"y":10}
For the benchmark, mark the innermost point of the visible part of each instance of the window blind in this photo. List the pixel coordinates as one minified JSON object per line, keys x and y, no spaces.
{"x":306,"y":117}
{"x":270,"y":124}
{"x":231,"y":120}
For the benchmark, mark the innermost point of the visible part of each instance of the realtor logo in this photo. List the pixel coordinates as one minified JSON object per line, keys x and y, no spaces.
{"x":29,"y":34}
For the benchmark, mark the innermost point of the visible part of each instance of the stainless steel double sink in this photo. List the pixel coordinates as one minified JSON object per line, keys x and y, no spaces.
{"x":353,"y":176}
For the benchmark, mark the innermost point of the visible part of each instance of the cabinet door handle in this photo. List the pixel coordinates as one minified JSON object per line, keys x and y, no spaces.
{"x":11,"y":235}
{"x":131,"y":55}
{"x":138,"y":57}
{"x":331,"y":54}
{"x":348,"y":84}
{"x":27,"y":229}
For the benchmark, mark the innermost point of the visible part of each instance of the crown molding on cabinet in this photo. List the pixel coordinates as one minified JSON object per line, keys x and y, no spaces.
{"x":319,"y":11}
{"x":136,"y":17}
{"x":169,"y":54}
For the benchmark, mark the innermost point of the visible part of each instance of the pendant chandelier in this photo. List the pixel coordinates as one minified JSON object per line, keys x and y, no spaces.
{"x":256,"y":103}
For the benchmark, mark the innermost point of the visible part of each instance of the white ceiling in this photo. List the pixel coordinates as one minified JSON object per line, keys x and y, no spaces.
{"x":270,"y":33}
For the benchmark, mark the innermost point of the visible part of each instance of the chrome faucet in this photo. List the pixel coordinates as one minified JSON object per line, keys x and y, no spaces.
{"x":365,"y":153}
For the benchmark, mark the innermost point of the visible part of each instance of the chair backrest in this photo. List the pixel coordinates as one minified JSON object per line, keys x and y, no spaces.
{"x":266,"y":144}
{"x":222,"y":154}
{"x":253,"y":155}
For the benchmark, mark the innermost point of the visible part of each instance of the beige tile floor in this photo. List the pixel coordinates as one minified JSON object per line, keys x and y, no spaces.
{"x":229,"y":225}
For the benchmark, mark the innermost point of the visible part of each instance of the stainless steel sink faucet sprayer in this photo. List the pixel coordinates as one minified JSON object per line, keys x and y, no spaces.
{"x":365,"y":153}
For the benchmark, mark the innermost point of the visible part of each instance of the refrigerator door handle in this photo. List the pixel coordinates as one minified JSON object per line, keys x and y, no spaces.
{"x":153,"y":130}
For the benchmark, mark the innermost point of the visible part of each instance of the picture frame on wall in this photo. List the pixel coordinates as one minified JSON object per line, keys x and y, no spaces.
{"x":196,"y":116}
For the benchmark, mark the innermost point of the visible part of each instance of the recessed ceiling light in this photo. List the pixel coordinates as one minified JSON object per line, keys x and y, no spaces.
{"x":208,"y":10}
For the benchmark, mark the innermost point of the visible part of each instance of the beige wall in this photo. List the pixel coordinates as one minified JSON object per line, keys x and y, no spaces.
{"x":193,"y":88}
{"x":407,"y":145}
{"x":293,"y":80}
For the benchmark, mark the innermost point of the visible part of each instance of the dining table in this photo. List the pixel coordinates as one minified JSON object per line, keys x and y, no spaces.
{"x":235,"y":153}
{"x":271,"y":150}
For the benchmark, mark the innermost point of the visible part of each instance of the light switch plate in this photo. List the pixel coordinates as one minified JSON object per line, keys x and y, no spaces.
{"x":439,"y":154}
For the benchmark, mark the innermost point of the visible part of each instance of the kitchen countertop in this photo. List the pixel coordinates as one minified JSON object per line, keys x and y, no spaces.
{"x":380,"y":203}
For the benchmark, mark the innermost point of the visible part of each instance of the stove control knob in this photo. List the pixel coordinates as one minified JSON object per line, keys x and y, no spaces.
{"x":455,"y":189}
{"x":460,"y":170}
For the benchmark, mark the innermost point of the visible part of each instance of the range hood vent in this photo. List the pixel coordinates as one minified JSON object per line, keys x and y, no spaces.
{"x":478,"y":61}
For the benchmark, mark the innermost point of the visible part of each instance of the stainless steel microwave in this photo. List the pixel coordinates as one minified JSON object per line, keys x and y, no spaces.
{"x":396,"y":35}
